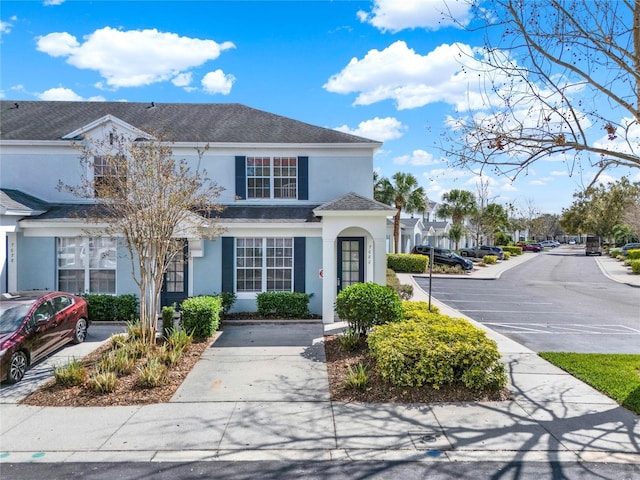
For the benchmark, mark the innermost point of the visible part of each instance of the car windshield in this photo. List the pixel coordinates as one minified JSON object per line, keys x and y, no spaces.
{"x":12,"y":316}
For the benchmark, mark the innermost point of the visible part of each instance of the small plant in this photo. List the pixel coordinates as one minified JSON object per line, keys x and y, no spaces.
{"x":168,"y":312}
{"x":152,"y":374}
{"x":489,"y":259}
{"x":178,"y":340}
{"x":134,"y":330}
{"x":137,"y":348}
{"x":364,"y":305}
{"x":357,"y":377}
{"x":201,"y":315}
{"x":120,"y":361}
{"x":103,"y":382}
{"x":350,"y":340}
{"x":73,"y":373}
{"x":119,"y":340}
{"x":283,"y":304}
{"x":169,"y":356}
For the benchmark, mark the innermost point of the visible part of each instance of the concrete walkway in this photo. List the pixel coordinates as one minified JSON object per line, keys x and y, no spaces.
{"x":260,"y":392}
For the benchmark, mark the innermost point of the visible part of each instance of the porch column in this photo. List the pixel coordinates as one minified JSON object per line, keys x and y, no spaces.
{"x":329,"y":279}
{"x":379,"y":260}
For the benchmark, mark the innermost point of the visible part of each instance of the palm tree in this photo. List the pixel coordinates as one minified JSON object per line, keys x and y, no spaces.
{"x":404,"y":194}
{"x":457,"y":205}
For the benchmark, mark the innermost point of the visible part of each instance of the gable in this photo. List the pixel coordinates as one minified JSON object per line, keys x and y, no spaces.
{"x":108,"y":123}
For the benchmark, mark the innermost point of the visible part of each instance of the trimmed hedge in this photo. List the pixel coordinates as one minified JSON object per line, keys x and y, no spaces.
{"x":111,"y":308}
{"x":283,"y":304}
{"x":407,"y":263}
{"x":512,"y":249}
{"x":364,"y":305}
{"x":201,"y":315}
{"x":633,"y":254}
{"x":436,"y":350}
{"x":418,"y":310}
{"x":635,"y":266}
{"x":489,"y":259}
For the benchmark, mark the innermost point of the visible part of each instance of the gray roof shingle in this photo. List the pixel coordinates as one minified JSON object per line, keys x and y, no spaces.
{"x":354,"y":202}
{"x":19,"y":201}
{"x":180,"y":122}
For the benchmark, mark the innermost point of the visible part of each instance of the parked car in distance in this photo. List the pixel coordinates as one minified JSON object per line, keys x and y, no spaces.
{"x":630,"y":246}
{"x":444,"y":256}
{"x":572,"y":242}
{"x":35,"y":324}
{"x":550,"y":243}
{"x":530,"y":247}
{"x":481,"y":251}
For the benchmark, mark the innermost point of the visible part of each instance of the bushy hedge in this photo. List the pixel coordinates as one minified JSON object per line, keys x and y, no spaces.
{"x":364,"y":305}
{"x":635,"y":265}
{"x":407,"y":263}
{"x":201,"y":315}
{"x":614,"y":252}
{"x":283,"y":304}
{"x":633,"y":254}
{"x":228,"y":299}
{"x":418,"y":310}
{"x":512,"y":249}
{"x":436,"y":350}
{"x":112,"y":308}
{"x":489,"y":259}
{"x":507,"y":255}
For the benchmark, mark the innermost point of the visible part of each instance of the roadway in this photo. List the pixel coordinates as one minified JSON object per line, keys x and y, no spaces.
{"x":558,"y":301}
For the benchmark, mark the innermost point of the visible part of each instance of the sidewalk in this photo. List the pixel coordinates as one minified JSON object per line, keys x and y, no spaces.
{"x":260,"y":392}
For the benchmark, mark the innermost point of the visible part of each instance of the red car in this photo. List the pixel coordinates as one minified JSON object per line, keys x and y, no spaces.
{"x":35,"y":324}
{"x":530,"y":247}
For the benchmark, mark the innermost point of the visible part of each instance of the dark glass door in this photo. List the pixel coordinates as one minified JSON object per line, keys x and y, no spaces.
{"x":175,"y":288}
{"x":350,"y":261}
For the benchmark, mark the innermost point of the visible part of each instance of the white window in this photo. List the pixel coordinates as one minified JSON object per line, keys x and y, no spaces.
{"x":275,"y":177}
{"x":264,"y":264}
{"x":109,"y":175}
{"x":86,"y":264}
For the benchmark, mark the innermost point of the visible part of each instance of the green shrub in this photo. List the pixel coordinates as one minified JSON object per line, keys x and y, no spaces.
{"x":489,"y":259}
{"x":283,"y":304}
{"x":169,"y":356}
{"x":152,"y":374}
{"x":350,"y":340}
{"x":103,"y":382}
{"x":418,"y":310}
{"x":405,"y":291}
{"x":178,"y":340}
{"x":111,"y":307}
{"x":357,"y":377}
{"x":73,"y":373}
{"x":201,"y":315}
{"x":228,"y":300}
{"x":168,"y":313}
{"x":614,"y":252}
{"x":436,"y":352}
{"x":512,"y":249}
{"x":120,"y":361}
{"x":407,"y":263}
{"x":635,"y":266}
{"x":633,"y":254}
{"x":507,"y":255}
{"x":364,"y":305}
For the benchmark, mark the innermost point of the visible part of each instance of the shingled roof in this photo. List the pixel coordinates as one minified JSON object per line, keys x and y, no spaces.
{"x":354,"y":202}
{"x":180,"y":122}
{"x":20,"y":203}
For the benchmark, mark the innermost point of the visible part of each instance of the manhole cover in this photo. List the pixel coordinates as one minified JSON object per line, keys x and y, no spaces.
{"x":429,"y":440}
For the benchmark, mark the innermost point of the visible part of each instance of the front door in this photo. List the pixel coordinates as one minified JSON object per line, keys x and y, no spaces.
{"x":350,"y":261}
{"x":175,"y":287}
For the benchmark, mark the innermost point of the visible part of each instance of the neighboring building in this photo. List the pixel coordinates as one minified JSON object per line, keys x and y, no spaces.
{"x":299,"y":211}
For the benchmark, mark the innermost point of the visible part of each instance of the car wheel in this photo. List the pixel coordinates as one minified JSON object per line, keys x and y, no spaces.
{"x":80,"y":332}
{"x":17,"y":367}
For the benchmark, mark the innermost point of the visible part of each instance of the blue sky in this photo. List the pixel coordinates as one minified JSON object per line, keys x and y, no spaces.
{"x":383,"y":69}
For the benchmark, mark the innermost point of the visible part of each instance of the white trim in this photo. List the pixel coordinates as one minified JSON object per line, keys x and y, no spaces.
{"x":103,"y":121}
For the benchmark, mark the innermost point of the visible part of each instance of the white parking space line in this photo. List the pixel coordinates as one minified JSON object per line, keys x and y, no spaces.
{"x":564,"y":328}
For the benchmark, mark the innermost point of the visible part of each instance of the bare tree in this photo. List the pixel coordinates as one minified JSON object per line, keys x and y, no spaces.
{"x":562,"y":80}
{"x":145,"y":195}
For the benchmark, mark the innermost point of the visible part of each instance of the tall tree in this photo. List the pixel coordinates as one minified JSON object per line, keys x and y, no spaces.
{"x":145,"y":195}
{"x":562,"y":78}
{"x":404,"y":193}
{"x":457,"y":205}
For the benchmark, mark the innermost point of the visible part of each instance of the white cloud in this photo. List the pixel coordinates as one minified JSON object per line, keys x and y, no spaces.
{"x":380,"y":129}
{"x":182,"y":79}
{"x":396,"y":15}
{"x":218,"y":82}
{"x":5,"y":27}
{"x":558,"y":173}
{"x":418,"y":158}
{"x":66,"y":94}
{"x":48,"y":3}
{"x":132,"y":58}
{"x":449,"y":73}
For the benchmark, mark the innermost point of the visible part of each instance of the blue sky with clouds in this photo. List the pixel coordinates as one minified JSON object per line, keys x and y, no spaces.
{"x":385,"y":69}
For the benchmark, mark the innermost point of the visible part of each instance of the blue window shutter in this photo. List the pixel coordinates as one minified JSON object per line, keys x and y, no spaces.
{"x":303,"y":178}
{"x":227,"y":264}
{"x":299,"y":263}
{"x":241,"y":177}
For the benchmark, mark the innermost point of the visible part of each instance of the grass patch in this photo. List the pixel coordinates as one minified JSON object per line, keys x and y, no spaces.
{"x":615,"y":375}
